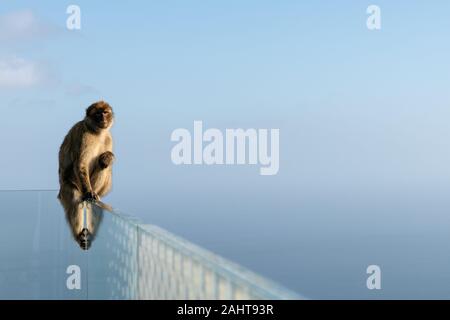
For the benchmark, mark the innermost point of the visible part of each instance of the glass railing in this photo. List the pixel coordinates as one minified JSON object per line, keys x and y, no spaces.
{"x":98,"y":253}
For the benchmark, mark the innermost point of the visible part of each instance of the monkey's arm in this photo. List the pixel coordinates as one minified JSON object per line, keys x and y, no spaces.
{"x":81,"y":168}
{"x":106,"y":159}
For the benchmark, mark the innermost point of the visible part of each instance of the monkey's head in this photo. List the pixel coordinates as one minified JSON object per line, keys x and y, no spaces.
{"x":99,"y":115}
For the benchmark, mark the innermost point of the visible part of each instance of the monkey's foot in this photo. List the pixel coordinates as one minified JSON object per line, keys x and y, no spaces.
{"x":90,"y":196}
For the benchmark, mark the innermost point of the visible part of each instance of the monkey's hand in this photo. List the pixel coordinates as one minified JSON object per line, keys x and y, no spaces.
{"x":106,"y":159}
{"x":90,"y":196}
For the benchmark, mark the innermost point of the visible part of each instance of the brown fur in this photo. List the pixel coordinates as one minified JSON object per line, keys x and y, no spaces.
{"x":85,"y":162}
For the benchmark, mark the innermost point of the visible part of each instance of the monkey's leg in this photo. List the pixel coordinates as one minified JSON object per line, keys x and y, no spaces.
{"x":101,"y":176}
{"x":102,"y":181}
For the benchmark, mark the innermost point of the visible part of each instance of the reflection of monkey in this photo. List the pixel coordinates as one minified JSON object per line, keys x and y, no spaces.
{"x":84,"y":221}
{"x":85,"y":161}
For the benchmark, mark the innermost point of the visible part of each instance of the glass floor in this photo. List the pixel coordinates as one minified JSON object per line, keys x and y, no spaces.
{"x":98,"y":253}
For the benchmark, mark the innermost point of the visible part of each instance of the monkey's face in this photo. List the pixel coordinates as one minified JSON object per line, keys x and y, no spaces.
{"x":100,"y":114}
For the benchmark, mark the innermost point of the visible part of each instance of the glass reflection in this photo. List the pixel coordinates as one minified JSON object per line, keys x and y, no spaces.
{"x":84,"y":220}
{"x":126,"y":259}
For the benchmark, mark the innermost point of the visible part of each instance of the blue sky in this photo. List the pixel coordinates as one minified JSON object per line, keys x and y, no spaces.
{"x":257,"y":64}
{"x":363,"y":115}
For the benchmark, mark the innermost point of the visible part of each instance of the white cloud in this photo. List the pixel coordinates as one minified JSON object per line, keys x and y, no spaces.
{"x":20,"y":73}
{"x":21,"y":30}
{"x":19,"y":26}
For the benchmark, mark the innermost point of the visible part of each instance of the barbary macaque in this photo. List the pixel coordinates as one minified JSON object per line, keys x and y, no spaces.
{"x":85,"y":163}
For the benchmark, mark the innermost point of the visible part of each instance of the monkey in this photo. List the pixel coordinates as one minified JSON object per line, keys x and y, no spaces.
{"x":85,"y":156}
{"x":85,"y":164}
